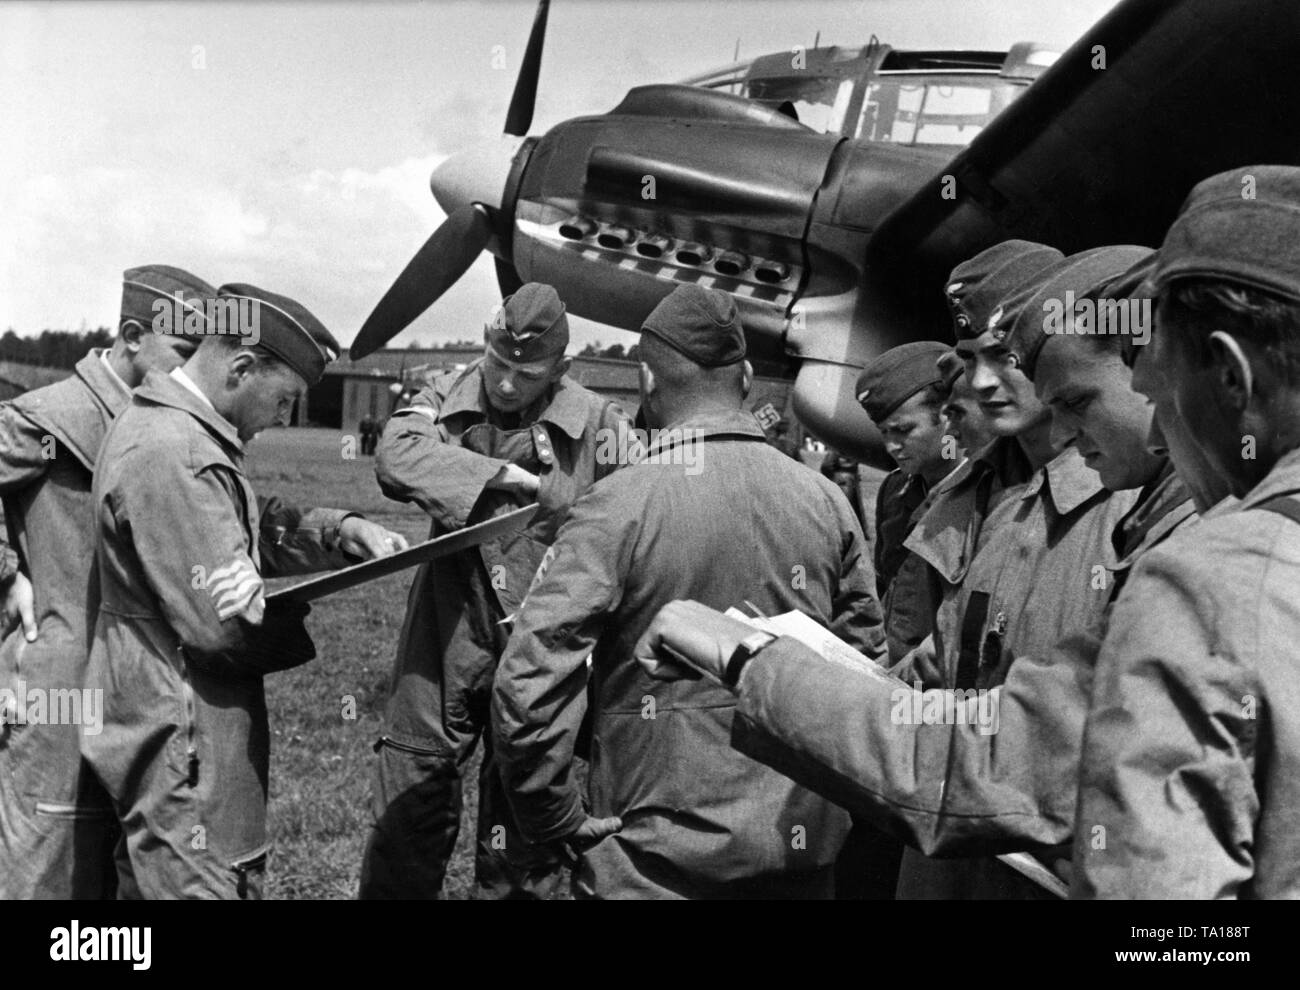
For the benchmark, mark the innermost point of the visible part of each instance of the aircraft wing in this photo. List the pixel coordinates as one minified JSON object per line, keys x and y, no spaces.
{"x":1106,"y":144}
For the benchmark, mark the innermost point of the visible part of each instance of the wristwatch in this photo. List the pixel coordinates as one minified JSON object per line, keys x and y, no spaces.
{"x":744,"y":652}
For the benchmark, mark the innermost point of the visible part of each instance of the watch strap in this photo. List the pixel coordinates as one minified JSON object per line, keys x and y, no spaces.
{"x":744,"y":652}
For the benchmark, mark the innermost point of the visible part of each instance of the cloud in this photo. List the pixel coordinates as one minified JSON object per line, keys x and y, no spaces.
{"x":406,"y":183}
{"x":337,"y":235}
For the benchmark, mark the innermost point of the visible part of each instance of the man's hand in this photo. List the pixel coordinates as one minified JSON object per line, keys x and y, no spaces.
{"x":591,"y":831}
{"x":513,"y":478}
{"x":922,"y":663}
{"x":686,"y":635}
{"x":19,"y":607}
{"x":365,"y":539}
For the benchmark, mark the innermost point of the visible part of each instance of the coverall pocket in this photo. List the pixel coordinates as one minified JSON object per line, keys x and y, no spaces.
{"x":250,"y":873}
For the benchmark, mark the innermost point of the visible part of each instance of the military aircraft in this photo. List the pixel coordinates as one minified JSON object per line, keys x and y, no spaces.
{"x":831,"y":190}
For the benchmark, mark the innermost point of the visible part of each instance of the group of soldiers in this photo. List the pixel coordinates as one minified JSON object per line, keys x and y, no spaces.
{"x":1114,"y":576}
{"x":136,"y":590}
{"x":1091,"y":533}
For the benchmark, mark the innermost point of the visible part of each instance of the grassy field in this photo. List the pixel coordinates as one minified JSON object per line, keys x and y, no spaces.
{"x":320,"y":761}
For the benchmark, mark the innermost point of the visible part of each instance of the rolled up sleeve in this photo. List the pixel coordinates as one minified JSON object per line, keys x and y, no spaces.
{"x":294,"y":540}
{"x":418,"y":461}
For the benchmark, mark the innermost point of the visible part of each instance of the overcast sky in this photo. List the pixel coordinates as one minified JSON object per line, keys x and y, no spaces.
{"x":290,"y":144}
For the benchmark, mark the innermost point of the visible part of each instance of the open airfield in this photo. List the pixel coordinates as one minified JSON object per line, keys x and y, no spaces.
{"x":321,"y":760}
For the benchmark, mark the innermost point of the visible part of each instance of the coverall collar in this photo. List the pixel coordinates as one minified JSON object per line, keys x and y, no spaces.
{"x":113,"y":382}
{"x":164,"y":390}
{"x":566,"y":410}
{"x":83,"y":433}
{"x":103,"y":381}
{"x":1004,"y":457}
{"x":185,"y":381}
{"x":946,"y":534}
{"x":1066,"y":481}
{"x":1163,"y":507}
{"x":1283,"y":479}
{"x":707,"y":426}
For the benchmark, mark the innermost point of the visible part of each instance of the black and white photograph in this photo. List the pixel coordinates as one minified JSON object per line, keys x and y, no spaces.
{"x":665,"y":450}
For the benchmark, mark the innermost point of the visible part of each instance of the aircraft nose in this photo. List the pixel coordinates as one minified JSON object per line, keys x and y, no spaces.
{"x":476,"y":175}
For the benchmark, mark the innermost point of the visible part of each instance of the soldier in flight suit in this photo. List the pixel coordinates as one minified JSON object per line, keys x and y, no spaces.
{"x":1191,"y":755}
{"x":184,"y":634}
{"x":903,"y":391}
{"x":57,"y":827}
{"x":510,"y":429}
{"x":674,"y":812}
{"x":951,"y":530}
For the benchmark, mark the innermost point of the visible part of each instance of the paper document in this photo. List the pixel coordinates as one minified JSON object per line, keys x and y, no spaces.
{"x":813,"y":635}
{"x":798,"y":626}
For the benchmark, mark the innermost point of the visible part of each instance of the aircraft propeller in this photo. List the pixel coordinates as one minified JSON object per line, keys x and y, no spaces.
{"x":520,"y":115}
{"x":469,"y":228}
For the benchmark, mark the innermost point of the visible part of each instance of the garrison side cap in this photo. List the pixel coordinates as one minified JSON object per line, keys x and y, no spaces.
{"x":529,"y":325}
{"x":702,"y":324}
{"x":1241,"y":226}
{"x":1082,"y":276}
{"x":977,"y":287}
{"x":288,"y":330}
{"x":1136,"y":283}
{"x":142,"y":287}
{"x":897,"y":375}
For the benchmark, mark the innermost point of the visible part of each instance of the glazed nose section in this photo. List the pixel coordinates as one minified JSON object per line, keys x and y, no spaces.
{"x":476,"y":175}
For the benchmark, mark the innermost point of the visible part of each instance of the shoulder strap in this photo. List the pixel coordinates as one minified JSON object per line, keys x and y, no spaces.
{"x":1283,"y":505}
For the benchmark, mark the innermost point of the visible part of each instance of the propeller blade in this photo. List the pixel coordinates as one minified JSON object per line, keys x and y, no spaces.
{"x":520,"y":115}
{"x":507,"y":278}
{"x":435,"y":268}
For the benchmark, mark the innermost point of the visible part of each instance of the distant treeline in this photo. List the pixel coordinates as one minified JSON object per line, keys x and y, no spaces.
{"x":616,"y":351}
{"x":53,"y":348}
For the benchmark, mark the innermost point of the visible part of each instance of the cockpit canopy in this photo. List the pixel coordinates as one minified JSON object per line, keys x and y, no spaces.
{"x":875,"y":93}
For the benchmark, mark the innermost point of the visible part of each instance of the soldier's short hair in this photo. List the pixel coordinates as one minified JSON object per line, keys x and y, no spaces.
{"x":680,"y":373}
{"x":264,"y":360}
{"x":933,"y":397}
{"x":1199,"y":306}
